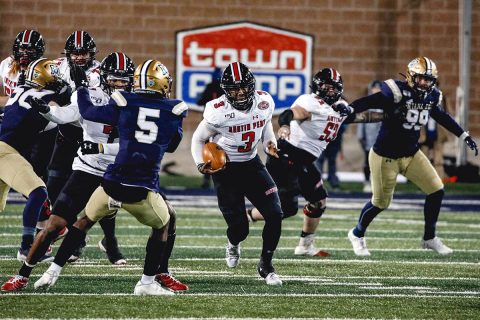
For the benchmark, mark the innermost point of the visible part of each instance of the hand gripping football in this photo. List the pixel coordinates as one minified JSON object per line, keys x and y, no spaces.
{"x":215,"y":154}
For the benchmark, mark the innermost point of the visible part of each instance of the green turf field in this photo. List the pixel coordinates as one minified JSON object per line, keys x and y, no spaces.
{"x":400,"y":280}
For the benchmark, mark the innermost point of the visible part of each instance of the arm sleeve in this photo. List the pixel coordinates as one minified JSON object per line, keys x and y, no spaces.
{"x":62,"y":115}
{"x":111,"y":148}
{"x":374,"y":101}
{"x":268,"y":135}
{"x":173,"y":145}
{"x":445,"y":120}
{"x":200,"y":136}
{"x":107,"y":114}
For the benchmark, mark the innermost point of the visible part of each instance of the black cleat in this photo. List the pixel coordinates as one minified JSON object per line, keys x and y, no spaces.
{"x":113,"y":252}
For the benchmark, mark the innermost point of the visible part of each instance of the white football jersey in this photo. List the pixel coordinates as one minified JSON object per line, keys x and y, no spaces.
{"x":95,"y":164}
{"x":93,"y":73}
{"x":238,"y":132}
{"x":9,"y":81}
{"x":313,"y":135}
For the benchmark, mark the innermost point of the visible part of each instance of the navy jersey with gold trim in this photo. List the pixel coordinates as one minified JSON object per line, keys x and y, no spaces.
{"x":408,"y":111}
{"x":147,"y":126}
{"x":21,"y":124}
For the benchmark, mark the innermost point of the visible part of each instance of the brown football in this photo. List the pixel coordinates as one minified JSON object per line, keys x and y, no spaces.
{"x":214,"y":153}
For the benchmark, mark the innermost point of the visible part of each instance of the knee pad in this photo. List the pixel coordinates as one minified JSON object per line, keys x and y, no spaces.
{"x":289,"y":212}
{"x":314,"y":210}
{"x":381,"y":203}
{"x":173,"y":218}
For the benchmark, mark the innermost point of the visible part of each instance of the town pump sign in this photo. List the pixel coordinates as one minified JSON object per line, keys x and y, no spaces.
{"x":280,"y":60}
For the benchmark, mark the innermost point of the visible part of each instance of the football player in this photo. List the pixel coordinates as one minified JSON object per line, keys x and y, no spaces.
{"x":408,"y":104}
{"x":17,"y":135}
{"x":237,"y":121}
{"x":149,"y":124}
{"x":305,"y":131}
{"x":29,"y":46}
{"x":80,"y":50}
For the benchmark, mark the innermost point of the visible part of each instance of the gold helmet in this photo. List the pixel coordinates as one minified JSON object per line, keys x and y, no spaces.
{"x":152,"y":77}
{"x":425,"y":68}
{"x":42,"y":72}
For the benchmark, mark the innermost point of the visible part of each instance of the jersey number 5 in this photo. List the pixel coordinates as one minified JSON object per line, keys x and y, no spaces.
{"x":330,"y":132}
{"x":149,"y":129}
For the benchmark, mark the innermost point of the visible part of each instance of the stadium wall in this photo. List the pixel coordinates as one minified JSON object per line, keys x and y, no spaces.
{"x":363,"y":39}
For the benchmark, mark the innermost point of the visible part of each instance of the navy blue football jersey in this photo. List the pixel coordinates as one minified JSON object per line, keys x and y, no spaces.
{"x":21,"y":124}
{"x":148,"y":127}
{"x":407,"y":112}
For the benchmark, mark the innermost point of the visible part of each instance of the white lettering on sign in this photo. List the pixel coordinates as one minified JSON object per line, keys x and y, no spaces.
{"x":207,"y":57}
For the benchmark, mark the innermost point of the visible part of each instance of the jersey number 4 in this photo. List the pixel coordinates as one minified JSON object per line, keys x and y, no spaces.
{"x":330,"y":132}
{"x":149,"y":129}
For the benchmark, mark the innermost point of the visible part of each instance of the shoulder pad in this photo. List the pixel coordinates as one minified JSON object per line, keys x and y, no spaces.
{"x":119,"y":98}
{"x":390,"y":88}
{"x":179,"y":108}
{"x":213,"y":110}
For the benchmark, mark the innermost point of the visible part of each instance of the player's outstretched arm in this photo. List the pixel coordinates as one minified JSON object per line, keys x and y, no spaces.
{"x":107,"y":114}
{"x":366,"y":117}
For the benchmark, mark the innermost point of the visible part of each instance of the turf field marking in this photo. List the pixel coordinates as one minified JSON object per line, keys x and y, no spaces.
{"x":292,"y":295}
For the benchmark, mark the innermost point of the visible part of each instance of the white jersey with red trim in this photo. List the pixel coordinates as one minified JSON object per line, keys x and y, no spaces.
{"x":93,"y":73}
{"x":239,"y":131}
{"x":95,"y":164}
{"x":314,"y":134}
{"x":9,"y":81}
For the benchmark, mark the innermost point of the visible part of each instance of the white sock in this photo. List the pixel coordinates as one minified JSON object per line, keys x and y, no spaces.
{"x":147,"y":279}
{"x":55,"y":268}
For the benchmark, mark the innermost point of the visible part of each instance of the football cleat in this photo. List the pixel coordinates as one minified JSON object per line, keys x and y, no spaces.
{"x":150,"y":289}
{"x":169,"y":281}
{"x":267,"y":271}
{"x":47,"y":280}
{"x":306,"y":247}
{"x":78,"y":252}
{"x":113,"y":253}
{"x":23,"y":253}
{"x":359,"y":244}
{"x":14,"y":284}
{"x":232,"y":255}
{"x":436,"y":245}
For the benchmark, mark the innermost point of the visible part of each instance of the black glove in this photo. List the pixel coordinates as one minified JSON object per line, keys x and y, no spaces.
{"x":471,"y":144}
{"x":78,"y":75}
{"x":89,"y":147}
{"x":21,"y":78}
{"x":343,"y":108}
{"x":38,"y":104}
{"x":62,"y":90}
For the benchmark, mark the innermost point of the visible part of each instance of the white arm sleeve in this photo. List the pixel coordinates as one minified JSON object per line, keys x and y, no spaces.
{"x":62,"y":115}
{"x":111,"y":148}
{"x":268,"y":135}
{"x":200,"y":136}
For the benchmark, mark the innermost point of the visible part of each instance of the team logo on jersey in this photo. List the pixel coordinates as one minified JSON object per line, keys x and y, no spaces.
{"x":263,"y":105}
{"x":281,"y":60}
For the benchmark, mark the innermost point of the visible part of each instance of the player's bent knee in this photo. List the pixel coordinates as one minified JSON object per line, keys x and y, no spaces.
{"x":314,"y":210}
{"x":381,"y":204}
{"x":289,"y":212}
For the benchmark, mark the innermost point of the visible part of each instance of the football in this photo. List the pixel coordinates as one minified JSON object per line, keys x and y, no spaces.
{"x":215,"y":154}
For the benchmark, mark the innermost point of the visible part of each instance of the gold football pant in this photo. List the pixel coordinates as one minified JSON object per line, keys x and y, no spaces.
{"x":384,"y":171}
{"x":152,"y":211}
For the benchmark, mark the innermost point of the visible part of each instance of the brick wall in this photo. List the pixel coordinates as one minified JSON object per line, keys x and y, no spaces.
{"x":364,"y":39}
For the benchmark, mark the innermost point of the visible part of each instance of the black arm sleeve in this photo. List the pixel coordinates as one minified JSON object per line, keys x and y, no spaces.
{"x":374,"y":101}
{"x":446,"y":121}
{"x":285,"y":117}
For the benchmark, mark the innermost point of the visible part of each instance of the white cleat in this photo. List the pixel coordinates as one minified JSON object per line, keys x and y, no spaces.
{"x":151,"y":289}
{"x":359,"y":245}
{"x":232,"y":255}
{"x":47,"y":280}
{"x":436,"y":245}
{"x":306,"y":247}
{"x":272,"y":279}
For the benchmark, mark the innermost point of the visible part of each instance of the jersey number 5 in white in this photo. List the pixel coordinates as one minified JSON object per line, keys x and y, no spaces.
{"x":147,"y":125}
